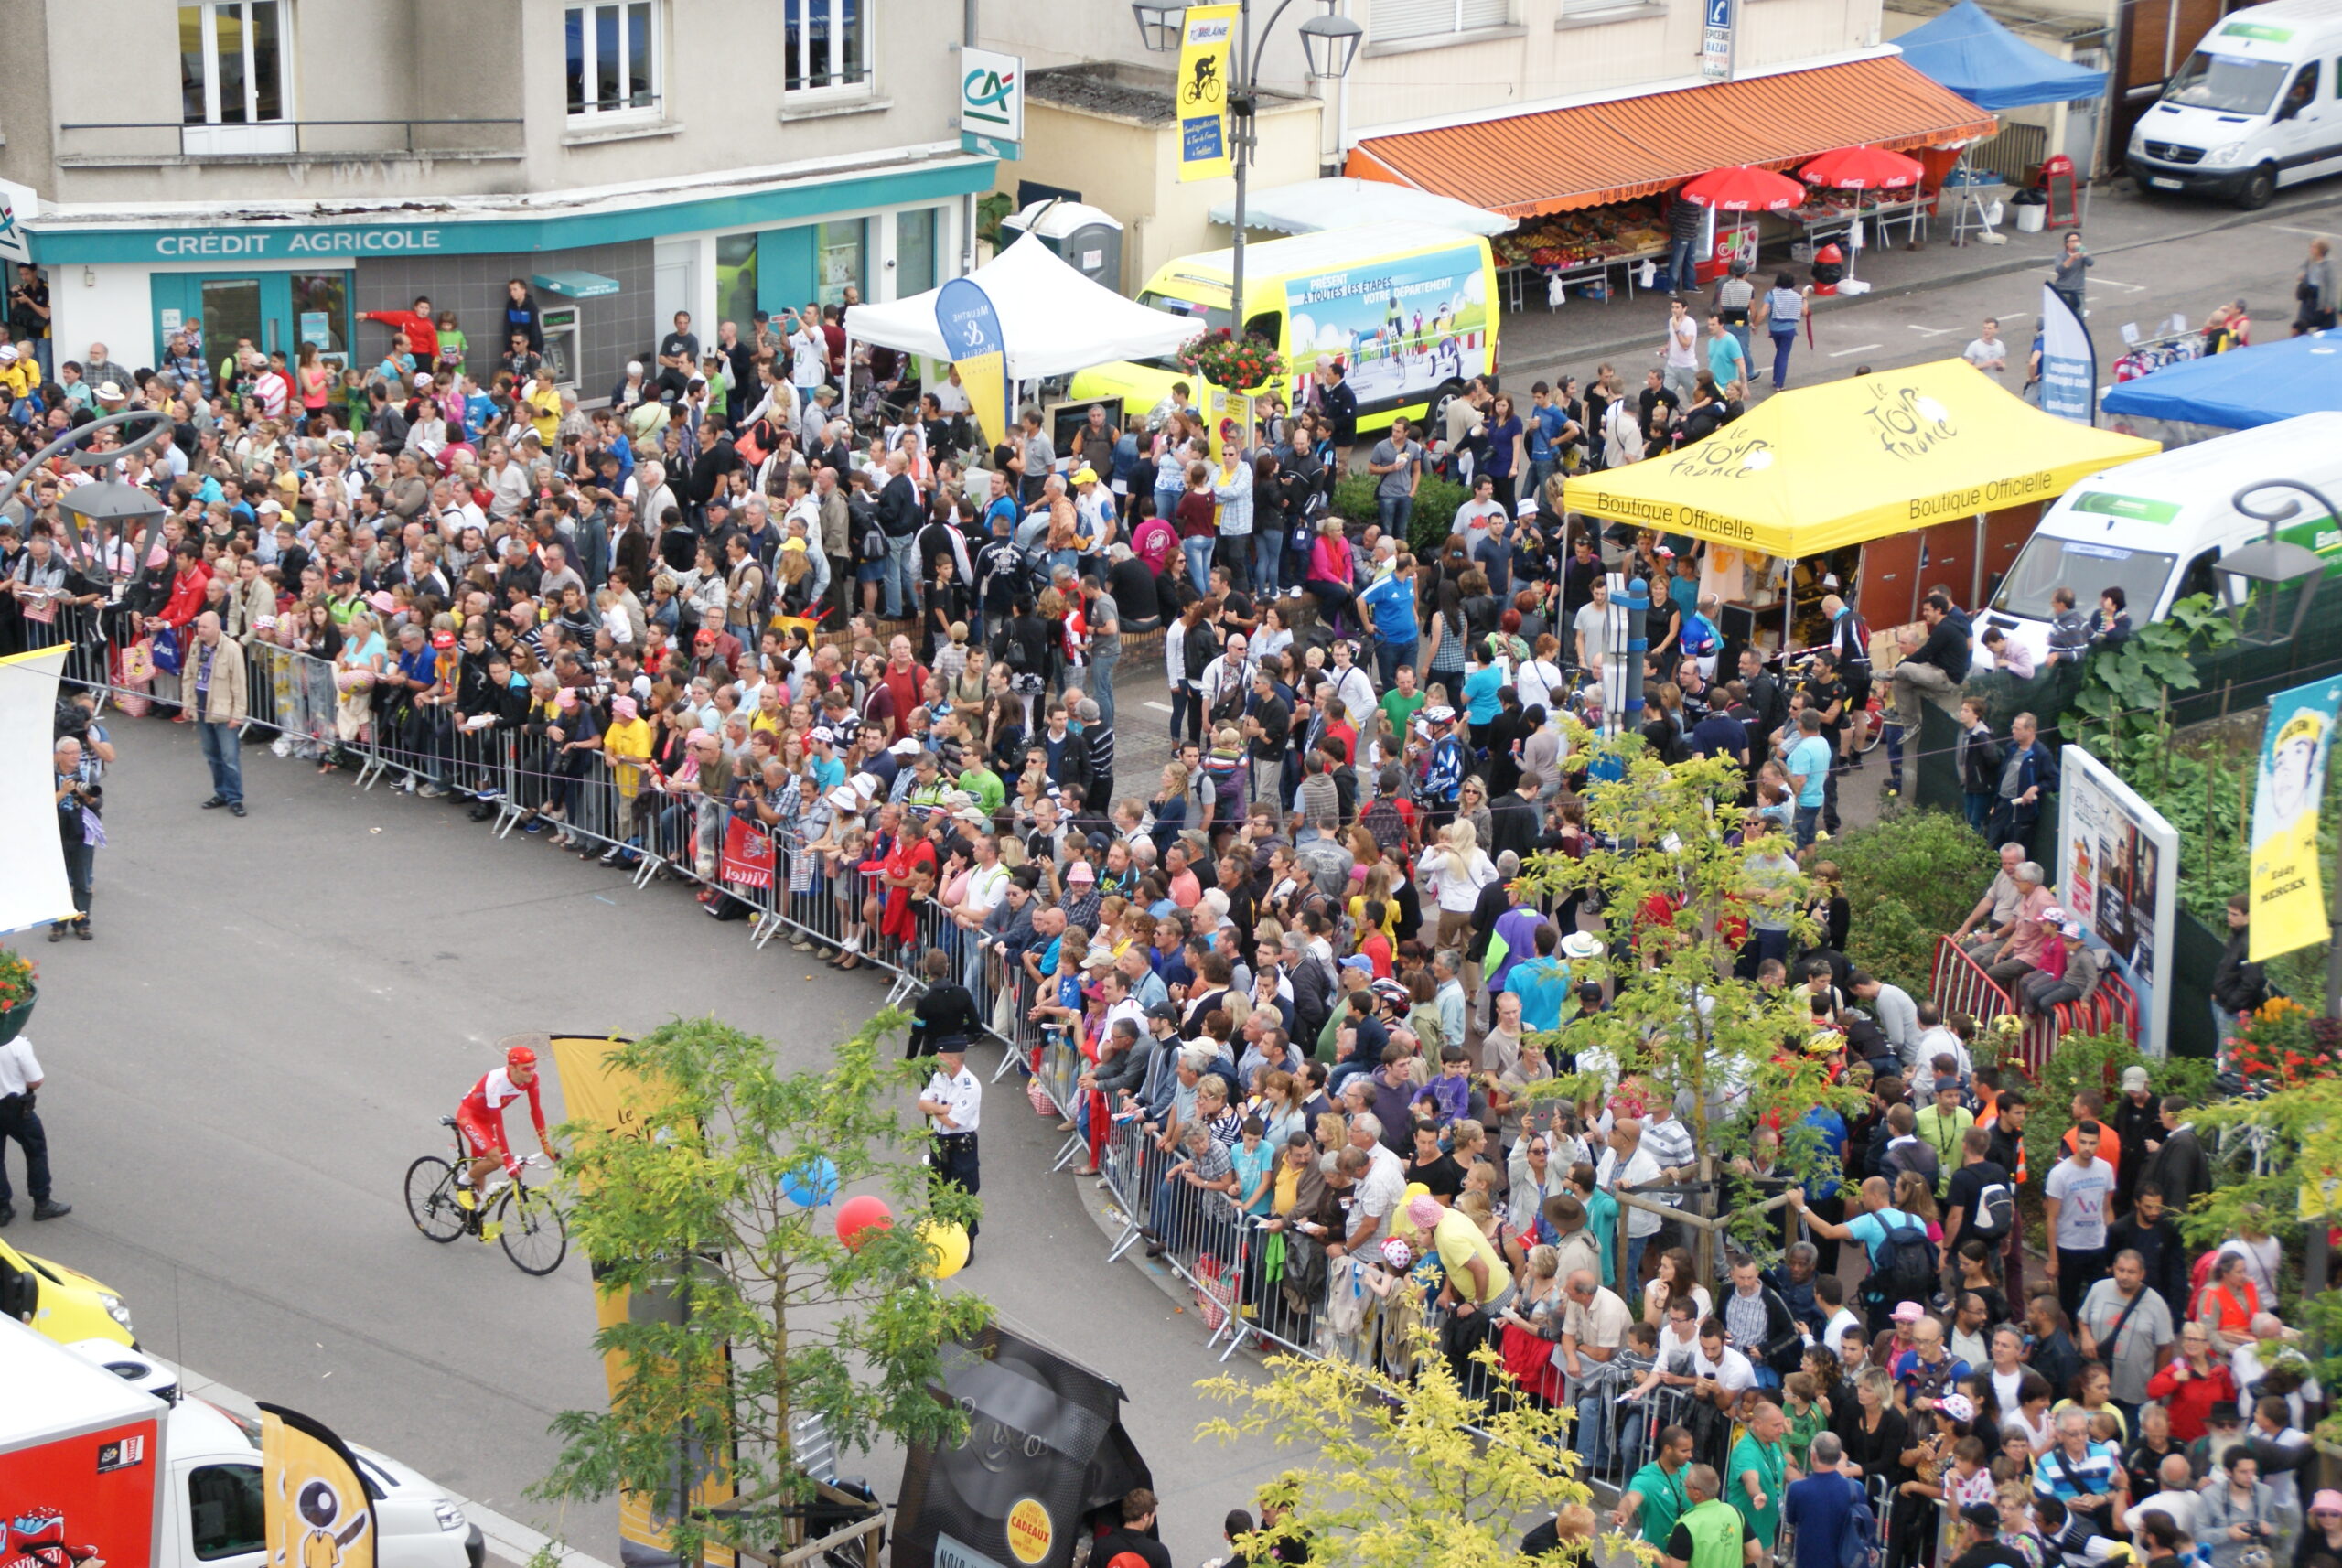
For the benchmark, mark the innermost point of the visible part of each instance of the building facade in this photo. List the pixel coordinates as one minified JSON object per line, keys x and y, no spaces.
{"x":1424,"y":64}
{"x":273,"y":169}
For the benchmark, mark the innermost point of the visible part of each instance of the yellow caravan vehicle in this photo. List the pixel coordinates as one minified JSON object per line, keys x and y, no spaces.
{"x":1409,"y":308}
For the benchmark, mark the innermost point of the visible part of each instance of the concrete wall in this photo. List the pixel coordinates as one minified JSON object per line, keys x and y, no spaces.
{"x":359,"y":59}
{"x":1161,"y":217}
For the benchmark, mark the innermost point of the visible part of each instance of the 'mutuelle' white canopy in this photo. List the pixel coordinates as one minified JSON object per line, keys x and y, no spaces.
{"x":1053,"y":321}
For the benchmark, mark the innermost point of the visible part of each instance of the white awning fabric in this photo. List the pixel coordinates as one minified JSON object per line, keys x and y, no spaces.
{"x":1343,"y":202}
{"x":1053,"y":320}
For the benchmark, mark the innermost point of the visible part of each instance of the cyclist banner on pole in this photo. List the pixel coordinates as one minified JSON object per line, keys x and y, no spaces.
{"x":1200,"y":94}
{"x":597,"y":1091}
{"x":314,"y":1507}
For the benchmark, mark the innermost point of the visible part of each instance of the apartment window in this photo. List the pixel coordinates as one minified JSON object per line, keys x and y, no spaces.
{"x":1429,"y":18}
{"x":232,"y":62}
{"x":613,"y":58}
{"x":824,"y":44}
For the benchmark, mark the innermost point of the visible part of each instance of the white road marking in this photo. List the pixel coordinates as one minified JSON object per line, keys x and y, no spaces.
{"x":1857,"y":349}
{"x":2313,"y":233}
{"x":1930,"y":331}
{"x":2109,"y":283}
{"x":1158,"y":707}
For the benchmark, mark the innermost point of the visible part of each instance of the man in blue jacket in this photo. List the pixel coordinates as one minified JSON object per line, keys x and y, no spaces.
{"x":2028,"y":773}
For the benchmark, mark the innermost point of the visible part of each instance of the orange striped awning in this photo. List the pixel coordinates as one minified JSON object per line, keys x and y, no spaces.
{"x":1560,"y":159}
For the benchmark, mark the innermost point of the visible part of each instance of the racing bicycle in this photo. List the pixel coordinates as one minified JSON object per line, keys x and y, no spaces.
{"x":524,"y":1219}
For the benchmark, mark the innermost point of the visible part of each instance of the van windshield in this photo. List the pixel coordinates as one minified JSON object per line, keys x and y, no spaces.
{"x":2087,"y":568}
{"x":2228,"y":83}
{"x":1203,"y":316}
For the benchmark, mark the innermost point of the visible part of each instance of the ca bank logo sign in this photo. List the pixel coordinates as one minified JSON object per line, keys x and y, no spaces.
{"x":17,"y":202}
{"x":992,"y":94}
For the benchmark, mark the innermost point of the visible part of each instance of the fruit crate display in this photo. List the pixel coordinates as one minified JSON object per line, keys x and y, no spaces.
{"x":1567,"y":240}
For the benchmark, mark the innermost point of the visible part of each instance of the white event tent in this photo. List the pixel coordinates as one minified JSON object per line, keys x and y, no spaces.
{"x":1053,"y":320}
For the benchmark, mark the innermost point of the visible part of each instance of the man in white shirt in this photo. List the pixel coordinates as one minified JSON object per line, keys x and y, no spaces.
{"x":20,"y":1077}
{"x":2178,"y":1497}
{"x":1988,"y":353}
{"x":1681,"y":350}
{"x":1721,"y":1371}
{"x":2076,"y":1196}
{"x":953,"y":1104}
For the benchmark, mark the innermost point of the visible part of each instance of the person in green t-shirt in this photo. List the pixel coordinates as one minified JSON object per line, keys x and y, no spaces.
{"x":719,"y":386}
{"x":1400,"y":703}
{"x":985,"y":785}
{"x":1658,"y":1497}
{"x":1760,"y":1472}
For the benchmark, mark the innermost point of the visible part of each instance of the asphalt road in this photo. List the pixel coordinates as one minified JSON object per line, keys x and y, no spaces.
{"x":277,"y":1011}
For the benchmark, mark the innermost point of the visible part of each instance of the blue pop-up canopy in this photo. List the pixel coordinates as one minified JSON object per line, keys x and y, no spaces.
{"x":2241,"y":388}
{"x":1966,"y":50}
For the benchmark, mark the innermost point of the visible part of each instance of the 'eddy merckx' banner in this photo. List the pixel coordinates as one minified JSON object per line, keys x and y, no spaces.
{"x":1200,"y":94}
{"x":594,"y":1089}
{"x":314,"y":1509}
{"x":2288,"y":908}
{"x":2068,"y":362}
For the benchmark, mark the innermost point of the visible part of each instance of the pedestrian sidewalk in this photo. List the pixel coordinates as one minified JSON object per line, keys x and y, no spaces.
{"x":1572,"y":338}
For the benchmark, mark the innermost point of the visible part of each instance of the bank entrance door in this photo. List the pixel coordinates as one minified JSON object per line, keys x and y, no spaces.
{"x":274,"y":311}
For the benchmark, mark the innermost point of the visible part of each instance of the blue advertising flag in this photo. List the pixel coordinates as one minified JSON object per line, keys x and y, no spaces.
{"x":971,"y":328}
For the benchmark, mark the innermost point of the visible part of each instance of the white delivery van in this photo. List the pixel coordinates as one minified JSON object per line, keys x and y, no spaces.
{"x":2158,"y":527}
{"x":2257,"y":106}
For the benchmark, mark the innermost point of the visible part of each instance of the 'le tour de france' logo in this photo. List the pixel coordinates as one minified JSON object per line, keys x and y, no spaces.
{"x":1727,"y":455}
{"x":1905,"y":421}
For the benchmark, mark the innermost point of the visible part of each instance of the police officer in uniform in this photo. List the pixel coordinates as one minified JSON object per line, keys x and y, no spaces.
{"x":20,"y":1076}
{"x":953,"y":1104}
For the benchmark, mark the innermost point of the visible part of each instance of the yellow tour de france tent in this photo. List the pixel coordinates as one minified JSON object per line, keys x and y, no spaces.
{"x":1822,"y":468}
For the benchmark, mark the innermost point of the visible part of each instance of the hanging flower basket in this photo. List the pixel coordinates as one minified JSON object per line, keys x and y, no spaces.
{"x":18,"y":993}
{"x":1227,"y":362}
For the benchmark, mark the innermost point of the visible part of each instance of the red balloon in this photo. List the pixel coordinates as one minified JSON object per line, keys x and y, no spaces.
{"x":857,"y":1216}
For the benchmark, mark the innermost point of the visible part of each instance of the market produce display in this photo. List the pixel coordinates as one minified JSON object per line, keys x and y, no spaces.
{"x":1579,"y":239}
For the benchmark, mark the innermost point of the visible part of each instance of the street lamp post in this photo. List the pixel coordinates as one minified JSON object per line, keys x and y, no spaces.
{"x":1328,"y":44}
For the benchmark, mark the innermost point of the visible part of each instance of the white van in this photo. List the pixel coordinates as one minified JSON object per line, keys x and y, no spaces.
{"x":2158,"y":527}
{"x":2257,"y":106}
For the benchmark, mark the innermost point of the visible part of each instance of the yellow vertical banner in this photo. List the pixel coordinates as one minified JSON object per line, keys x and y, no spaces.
{"x":964,"y":314}
{"x":2288,"y":892}
{"x":1199,"y":96}
{"x":596,"y":1090}
{"x":315,"y":1511}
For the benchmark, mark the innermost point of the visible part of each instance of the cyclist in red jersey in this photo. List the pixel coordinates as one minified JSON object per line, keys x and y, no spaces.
{"x":480,"y":1118}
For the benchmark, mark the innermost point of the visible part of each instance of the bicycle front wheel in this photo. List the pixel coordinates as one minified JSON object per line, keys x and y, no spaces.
{"x":533,"y":1235}
{"x":431,"y":1198}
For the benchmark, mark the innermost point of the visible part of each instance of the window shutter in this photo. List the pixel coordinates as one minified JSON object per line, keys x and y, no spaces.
{"x":1412,"y":19}
{"x":1486,"y":13}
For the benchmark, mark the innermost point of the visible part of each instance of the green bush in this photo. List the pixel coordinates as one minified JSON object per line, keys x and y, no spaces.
{"x":1908,"y":880}
{"x":1436,"y":502}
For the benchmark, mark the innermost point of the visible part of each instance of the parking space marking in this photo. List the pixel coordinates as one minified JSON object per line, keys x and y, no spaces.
{"x":1857,"y":349}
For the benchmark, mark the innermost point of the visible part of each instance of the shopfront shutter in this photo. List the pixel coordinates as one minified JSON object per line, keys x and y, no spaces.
{"x":1412,"y":19}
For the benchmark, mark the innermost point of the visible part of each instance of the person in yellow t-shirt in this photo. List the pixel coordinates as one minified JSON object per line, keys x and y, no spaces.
{"x":543,"y":398}
{"x":626,"y":743}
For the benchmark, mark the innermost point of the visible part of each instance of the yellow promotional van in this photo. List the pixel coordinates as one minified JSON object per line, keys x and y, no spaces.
{"x":1409,"y":309}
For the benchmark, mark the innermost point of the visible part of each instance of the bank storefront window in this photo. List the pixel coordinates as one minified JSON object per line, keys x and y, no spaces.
{"x":915,"y":243}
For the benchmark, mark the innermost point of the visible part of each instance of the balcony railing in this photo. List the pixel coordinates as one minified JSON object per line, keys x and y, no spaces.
{"x":286,"y":141}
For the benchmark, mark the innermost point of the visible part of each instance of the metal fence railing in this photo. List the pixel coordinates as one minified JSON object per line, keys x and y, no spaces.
{"x":1253,"y":1286}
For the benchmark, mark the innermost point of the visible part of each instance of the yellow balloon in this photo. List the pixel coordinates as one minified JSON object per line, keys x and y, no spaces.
{"x":947,"y":1245}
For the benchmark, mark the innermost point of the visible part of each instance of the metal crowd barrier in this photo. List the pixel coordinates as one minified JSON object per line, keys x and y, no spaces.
{"x":1363,"y":1315}
{"x":1961,"y":985}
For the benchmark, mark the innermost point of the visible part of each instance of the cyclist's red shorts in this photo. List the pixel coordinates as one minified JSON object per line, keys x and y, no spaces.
{"x":485,"y":1137}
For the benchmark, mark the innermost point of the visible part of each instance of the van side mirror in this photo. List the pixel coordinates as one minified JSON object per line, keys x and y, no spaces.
{"x":20,"y":1294}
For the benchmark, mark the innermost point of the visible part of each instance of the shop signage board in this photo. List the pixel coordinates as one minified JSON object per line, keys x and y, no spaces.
{"x":1715,"y":39}
{"x":992,"y":104}
{"x":2118,"y":869}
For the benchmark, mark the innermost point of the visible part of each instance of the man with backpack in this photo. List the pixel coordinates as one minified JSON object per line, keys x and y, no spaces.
{"x":1980,"y":1202}
{"x":1828,"y":1513}
{"x":1902,"y":1259}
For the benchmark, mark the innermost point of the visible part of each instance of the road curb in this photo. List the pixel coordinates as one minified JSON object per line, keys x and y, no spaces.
{"x":1531,"y":369}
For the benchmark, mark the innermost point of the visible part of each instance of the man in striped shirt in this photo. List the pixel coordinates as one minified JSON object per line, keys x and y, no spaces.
{"x":2087,"y":1477}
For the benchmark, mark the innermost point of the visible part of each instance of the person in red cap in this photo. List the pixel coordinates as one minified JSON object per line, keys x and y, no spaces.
{"x":480,"y":1120}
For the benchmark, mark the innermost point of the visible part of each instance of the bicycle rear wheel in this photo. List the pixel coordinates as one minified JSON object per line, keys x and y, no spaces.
{"x":431,"y":1198}
{"x":533,"y":1235}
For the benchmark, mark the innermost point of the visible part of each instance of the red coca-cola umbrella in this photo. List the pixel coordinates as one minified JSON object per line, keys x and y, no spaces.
{"x":1859,"y":169}
{"x":1741,"y":188}
{"x":1863,"y":168}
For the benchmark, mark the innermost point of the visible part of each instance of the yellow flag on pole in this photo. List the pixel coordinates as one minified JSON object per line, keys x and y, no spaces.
{"x":1199,"y":96}
{"x":315,"y":1510}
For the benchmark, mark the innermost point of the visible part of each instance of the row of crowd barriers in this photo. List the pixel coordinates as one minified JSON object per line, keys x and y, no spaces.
{"x":1253,"y":1287}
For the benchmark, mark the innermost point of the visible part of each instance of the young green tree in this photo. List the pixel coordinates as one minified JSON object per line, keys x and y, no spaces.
{"x":1677,"y":898}
{"x":768,"y":1315}
{"x":1415,"y":1475}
